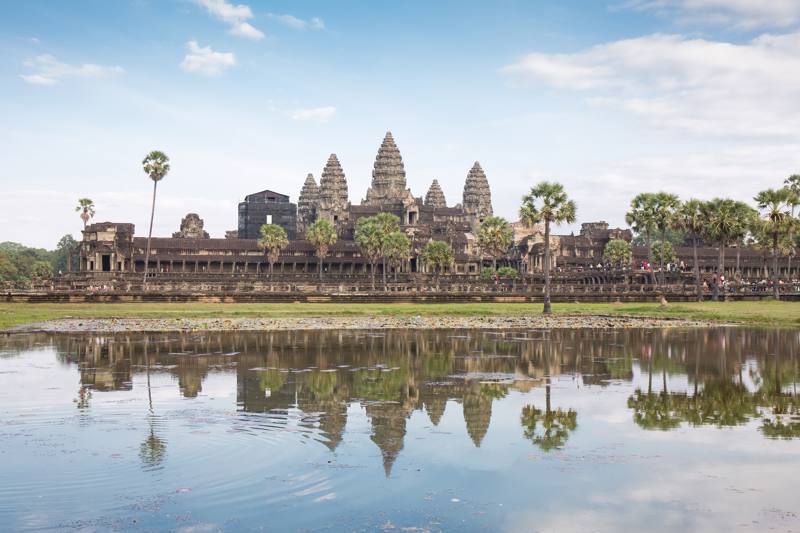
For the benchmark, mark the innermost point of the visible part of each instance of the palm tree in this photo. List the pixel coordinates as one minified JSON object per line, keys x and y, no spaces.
{"x":322,"y":235}
{"x":86,"y":208}
{"x":724,"y":225}
{"x":273,"y":240}
{"x":793,"y":184}
{"x":387,"y":224}
{"x":495,"y":236}
{"x":776,"y":223}
{"x":665,"y":206}
{"x":156,"y":166}
{"x":370,"y":242}
{"x":437,"y":255}
{"x":689,"y":218}
{"x":642,"y":219}
{"x":397,"y":248}
{"x":555,"y":208}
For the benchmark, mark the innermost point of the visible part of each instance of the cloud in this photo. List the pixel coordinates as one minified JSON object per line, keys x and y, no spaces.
{"x":314,"y":23}
{"x":742,"y":14}
{"x":696,"y":85}
{"x":319,"y":114}
{"x":236,"y":16}
{"x":47,"y":70}
{"x":205,"y":61}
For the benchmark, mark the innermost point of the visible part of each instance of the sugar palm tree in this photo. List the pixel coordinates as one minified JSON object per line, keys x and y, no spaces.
{"x":370,"y":242}
{"x":397,"y":249}
{"x":689,"y":218}
{"x":547,"y":202}
{"x":86,"y":208}
{"x":322,"y":235}
{"x":387,"y":224}
{"x":777,"y":222}
{"x":726,"y":222}
{"x":156,"y":166}
{"x":793,"y":184}
{"x":665,"y":206}
{"x":437,"y":255}
{"x":495,"y":237}
{"x":642,"y":219}
{"x":273,"y":240}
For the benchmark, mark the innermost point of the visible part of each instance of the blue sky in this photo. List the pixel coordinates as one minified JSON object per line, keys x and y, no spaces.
{"x":697,"y":97}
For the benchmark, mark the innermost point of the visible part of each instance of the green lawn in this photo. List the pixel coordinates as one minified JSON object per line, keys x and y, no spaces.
{"x":761,"y":313}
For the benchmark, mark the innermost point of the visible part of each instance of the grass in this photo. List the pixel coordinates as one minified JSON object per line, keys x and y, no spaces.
{"x":785,"y":314}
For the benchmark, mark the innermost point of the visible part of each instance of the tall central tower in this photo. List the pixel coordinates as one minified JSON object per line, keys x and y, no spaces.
{"x":388,"y":187}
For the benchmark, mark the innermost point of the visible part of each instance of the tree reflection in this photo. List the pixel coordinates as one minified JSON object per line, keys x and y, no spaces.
{"x":153,"y":449}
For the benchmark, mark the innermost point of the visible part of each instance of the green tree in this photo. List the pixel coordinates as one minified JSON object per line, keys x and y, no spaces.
{"x":370,"y":242}
{"x":723,"y":225}
{"x":776,"y":223}
{"x":793,"y":184}
{"x":66,"y":245}
{"x":665,"y":206}
{"x":547,"y":202}
{"x":322,"y":235}
{"x":8,"y":270}
{"x":387,"y":224}
{"x":273,"y":240}
{"x":156,"y":166}
{"x":617,"y":252}
{"x":663,"y":252}
{"x":86,"y":208}
{"x":495,"y":237}
{"x":642,"y":218}
{"x":437,"y":255}
{"x":689,"y":218}
{"x":397,"y":249}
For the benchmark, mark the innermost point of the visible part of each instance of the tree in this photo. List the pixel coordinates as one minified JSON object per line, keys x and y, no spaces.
{"x":617,"y":252}
{"x":322,"y":235}
{"x":156,"y":166}
{"x":8,"y":270}
{"x":495,"y":236}
{"x":642,"y":219}
{"x":387,"y":224}
{"x":437,"y":255}
{"x":663,"y":252}
{"x":776,"y":222}
{"x":726,"y":221}
{"x":61,"y":257}
{"x":370,"y":242}
{"x":665,"y":206}
{"x":397,"y":249}
{"x":689,"y":218}
{"x":547,"y":202}
{"x":793,"y":184}
{"x":86,"y":208}
{"x":273,"y":240}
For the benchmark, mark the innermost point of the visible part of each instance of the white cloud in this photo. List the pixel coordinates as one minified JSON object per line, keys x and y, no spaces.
{"x":49,"y":71}
{"x":205,"y":61}
{"x":696,"y":85}
{"x":236,"y":16}
{"x":314,"y":23}
{"x":319,"y":114}
{"x":743,"y":14}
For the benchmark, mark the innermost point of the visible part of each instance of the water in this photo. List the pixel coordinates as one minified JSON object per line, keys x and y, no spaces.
{"x":563,"y":430}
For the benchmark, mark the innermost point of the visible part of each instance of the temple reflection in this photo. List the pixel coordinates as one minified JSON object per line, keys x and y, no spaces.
{"x":681,"y":377}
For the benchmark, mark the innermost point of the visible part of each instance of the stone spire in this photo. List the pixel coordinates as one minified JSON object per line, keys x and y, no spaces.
{"x":332,"y":191}
{"x":307,"y":204}
{"x":388,"y":176}
{"x":435,"y":196}
{"x":477,"y":195}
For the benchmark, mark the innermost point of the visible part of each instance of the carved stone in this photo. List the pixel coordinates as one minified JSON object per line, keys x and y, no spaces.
{"x":435,"y":196}
{"x":388,"y":187}
{"x":307,"y":204}
{"x":477,"y":195}
{"x":191,"y":228}
{"x":333,"y":201}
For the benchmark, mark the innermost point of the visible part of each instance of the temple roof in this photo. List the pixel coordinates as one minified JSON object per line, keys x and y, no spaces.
{"x":333,"y":185}
{"x":435,"y":196}
{"x":477,"y":195}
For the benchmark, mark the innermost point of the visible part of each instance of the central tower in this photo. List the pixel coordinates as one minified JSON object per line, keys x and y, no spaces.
{"x":388,"y":187}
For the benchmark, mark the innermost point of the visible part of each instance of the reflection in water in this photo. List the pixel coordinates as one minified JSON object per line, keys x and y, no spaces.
{"x":397,"y":388}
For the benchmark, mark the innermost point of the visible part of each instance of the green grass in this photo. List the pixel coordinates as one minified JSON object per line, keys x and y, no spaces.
{"x":758,"y":313}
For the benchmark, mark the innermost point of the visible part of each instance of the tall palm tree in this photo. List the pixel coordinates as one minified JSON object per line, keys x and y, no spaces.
{"x":723,"y":225}
{"x":665,"y":206}
{"x":86,"y":208}
{"x":689,"y":218}
{"x":793,"y":184}
{"x":322,"y":235}
{"x":387,"y":224}
{"x":438,"y":255}
{"x":777,"y":222}
{"x":156,"y":166}
{"x":370,"y":243}
{"x":495,"y":237}
{"x":547,"y":202}
{"x":398,"y":247}
{"x":642,"y":219}
{"x":273,"y":240}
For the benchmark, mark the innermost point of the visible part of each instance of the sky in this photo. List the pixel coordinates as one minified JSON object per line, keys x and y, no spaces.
{"x":608,"y":97}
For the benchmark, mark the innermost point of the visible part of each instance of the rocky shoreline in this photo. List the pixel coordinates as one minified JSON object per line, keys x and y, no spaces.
{"x":125,"y":325}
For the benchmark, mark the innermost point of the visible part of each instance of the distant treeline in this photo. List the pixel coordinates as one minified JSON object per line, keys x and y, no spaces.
{"x":22,"y":263}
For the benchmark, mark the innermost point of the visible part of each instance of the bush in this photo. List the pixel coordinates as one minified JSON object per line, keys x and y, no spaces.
{"x":507,"y":272}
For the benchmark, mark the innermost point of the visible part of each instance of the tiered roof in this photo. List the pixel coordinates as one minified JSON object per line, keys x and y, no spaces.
{"x":477,"y":195}
{"x":333,"y":185}
{"x":435,"y":196}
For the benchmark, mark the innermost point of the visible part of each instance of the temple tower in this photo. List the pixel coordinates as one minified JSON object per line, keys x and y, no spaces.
{"x":388,"y":187}
{"x":435,"y":196}
{"x":333,"y":203}
{"x":477,"y":195}
{"x":307,"y":205}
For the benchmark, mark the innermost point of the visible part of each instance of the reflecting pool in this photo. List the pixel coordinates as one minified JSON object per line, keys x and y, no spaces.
{"x":520,"y":431}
